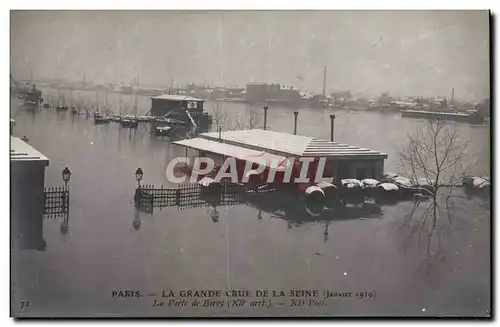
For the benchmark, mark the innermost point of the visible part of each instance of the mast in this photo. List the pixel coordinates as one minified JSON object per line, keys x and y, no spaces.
{"x":135,"y":97}
{"x":120,"y":106}
{"x":106,"y":103}
{"x":97,"y":102}
{"x":324,"y":83}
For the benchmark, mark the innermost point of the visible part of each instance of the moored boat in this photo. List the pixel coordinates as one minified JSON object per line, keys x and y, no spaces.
{"x":163,"y":130}
{"x":101,"y":119}
{"x":472,"y":117}
{"x":129,"y":122}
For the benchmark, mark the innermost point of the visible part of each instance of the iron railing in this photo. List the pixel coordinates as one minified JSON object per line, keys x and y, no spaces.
{"x":186,"y":196}
{"x":56,"y":202}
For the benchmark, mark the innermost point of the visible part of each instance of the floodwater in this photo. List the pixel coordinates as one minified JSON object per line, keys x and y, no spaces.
{"x":246,"y":248}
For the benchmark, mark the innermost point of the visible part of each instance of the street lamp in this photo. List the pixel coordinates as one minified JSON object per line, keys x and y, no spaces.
{"x":332,"y":118}
{"x":138,"y":176}
{"x":66,"y":174}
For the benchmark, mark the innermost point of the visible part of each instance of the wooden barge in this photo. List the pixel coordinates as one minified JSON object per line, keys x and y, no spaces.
{"x":471,"y":118}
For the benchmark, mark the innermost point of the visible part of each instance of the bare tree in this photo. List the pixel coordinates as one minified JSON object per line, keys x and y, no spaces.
{"x":435,"y":156}
{"x":219,"y":116}
{"x":249,"y":119}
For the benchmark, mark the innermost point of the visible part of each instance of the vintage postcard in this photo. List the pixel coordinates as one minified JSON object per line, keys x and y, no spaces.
{"x":250,"y":163}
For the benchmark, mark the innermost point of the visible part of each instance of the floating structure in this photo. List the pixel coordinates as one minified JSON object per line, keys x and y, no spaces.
{"x":33,"y":98}
{"x":275,"y":150}
{"x":473,"y":117}
{"x":129,"y":122}
{"x":181,"y":108}
{"x":101,"y":119}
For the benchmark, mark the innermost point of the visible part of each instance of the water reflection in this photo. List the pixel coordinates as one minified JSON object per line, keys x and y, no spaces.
{"x":429,"y":226}
{"x":136,"y":223}
{"x":214,"y":214}
{"x":64,"y":228}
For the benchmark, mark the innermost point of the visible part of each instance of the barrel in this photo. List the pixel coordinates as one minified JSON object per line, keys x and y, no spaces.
{"x":210,"y":188}
{"x":315,"y":200}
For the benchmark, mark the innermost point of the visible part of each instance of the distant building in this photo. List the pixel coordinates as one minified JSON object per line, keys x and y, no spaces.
{"x":289,"y":94}
{"x":340,"y":95}
{"x":262,"y":92}
{"x":484,"y":107}
{"x":385,"y":98}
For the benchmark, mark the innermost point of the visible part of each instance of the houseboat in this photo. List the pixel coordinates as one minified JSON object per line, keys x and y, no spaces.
{"x":33,"y":98}
{"x":129,"y":122}
{"x":166,"y":126}
{"x":183,"y":108}
{"x":99,"y":118}
{"x":471,"y":117}
{"x":275,"y":149}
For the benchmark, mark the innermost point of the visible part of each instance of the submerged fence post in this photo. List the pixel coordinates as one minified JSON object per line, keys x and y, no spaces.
{"x":265,"y":117}
{"x":178,"y":196}
{"x":332,"y":118}
{"x":296,"y":113}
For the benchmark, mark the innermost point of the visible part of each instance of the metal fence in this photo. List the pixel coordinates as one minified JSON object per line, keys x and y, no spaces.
{"x":56,"y":202}
{"x":187,"y":196}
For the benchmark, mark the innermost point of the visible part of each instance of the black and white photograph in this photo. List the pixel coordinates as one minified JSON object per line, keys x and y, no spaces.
{"x":250,"y":163}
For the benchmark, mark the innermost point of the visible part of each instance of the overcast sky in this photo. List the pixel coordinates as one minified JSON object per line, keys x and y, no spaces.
{"x":401,"y":52}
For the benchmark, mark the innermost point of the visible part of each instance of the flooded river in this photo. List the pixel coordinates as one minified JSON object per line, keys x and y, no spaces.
{"x":246,"y":249}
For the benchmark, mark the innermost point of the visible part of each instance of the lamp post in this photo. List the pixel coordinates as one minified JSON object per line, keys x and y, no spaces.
{"x":66,"y":174}
{"x":138,"y":176}
{"x":332,"y":118}
{"x":296,"y":113}
{"x":265,"y":117}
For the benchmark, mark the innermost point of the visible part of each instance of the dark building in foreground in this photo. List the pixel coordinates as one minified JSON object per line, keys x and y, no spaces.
{"x":27,"y":179}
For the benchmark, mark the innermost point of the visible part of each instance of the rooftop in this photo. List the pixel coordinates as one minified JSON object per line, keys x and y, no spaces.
{"x":238,"y":152}
{"x":22,"y":151}
{"x":292,"y":145}
{"x":176,"y":97}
